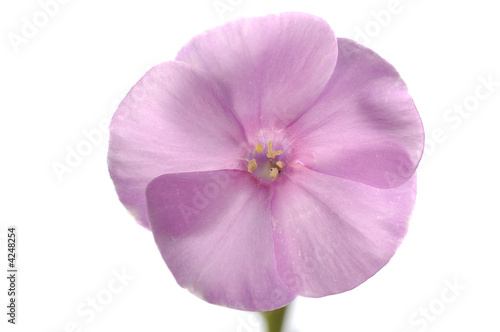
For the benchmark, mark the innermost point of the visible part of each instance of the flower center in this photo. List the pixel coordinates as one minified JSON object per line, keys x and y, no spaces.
{"x":266,"y":166}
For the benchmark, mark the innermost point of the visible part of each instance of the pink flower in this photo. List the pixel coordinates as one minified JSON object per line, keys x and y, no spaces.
{"x":320,"y":210}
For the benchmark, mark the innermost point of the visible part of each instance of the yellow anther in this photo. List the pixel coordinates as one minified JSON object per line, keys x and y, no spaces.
{"x":271,"y":153}
{"x":252,"y":165}
{"x":273,"y":173}
{"x":280,"y":164}
{"x":259,"y":148}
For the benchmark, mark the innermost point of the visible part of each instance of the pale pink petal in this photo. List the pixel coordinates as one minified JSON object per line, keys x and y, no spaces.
{"x":272,"y":68}
{"x":214,"y":231}
{"x":365,"y":126}
{"x":332,"y":234}
{"x":171,"y":121}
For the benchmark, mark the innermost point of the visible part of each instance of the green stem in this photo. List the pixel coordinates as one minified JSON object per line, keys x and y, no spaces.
{"x":274,"y":319}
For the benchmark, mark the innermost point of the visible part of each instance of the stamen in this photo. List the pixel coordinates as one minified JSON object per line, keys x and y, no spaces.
{"x":280,"y":164}
{"x":252,"y":165}
{"x":273,"y":174}
{"x":271,"y":153}
{"x":259,"y":148}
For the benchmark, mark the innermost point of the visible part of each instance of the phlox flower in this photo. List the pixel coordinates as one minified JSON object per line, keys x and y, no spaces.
{"x":270,"y":160}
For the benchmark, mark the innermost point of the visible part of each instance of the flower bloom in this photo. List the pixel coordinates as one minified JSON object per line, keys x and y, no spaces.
{"x":270,"y":160}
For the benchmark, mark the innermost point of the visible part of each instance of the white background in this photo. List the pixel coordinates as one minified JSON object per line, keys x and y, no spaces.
{"x":74,"y":235}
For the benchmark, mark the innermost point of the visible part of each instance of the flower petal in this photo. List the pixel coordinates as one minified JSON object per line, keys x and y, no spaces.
{"x":272,"y":68}
{"x":214,"y":232}
{"x":365,"y":126}
{"x":332,"y":234}
{"x":171,"y":121}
